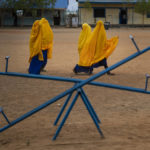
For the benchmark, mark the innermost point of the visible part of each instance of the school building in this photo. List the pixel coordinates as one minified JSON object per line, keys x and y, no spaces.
{"x":116,"y":12}
{"x":26,"y":18}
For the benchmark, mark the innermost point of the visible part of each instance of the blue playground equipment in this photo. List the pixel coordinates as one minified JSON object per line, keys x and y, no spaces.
{"x":79,"y":92}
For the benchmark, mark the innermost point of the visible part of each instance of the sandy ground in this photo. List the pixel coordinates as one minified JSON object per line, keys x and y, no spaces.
{"x":125,"y":115}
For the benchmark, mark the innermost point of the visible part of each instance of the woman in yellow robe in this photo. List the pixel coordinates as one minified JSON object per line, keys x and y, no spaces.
{"x":84,"y":35}
{"x":97,"y":49}
{"x":41,"y":44}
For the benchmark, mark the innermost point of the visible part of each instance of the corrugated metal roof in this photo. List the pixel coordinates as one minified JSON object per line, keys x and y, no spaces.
{"x":108,"y":1}
{"x":61,"y":4}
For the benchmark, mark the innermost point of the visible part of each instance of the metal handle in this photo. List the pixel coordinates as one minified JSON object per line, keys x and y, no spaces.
{"x":1,"y":111}
{"x":7,"y":58}
{"x":131,"y":37}
{"x":146,"y":82}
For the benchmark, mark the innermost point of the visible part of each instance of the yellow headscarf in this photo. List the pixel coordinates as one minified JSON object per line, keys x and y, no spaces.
{"x":84,"y":34}
{"x":97,"y":46}
{"x":41,"y":38}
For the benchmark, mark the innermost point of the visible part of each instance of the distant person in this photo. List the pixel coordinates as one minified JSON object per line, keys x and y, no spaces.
{"x":97,"y":49}
{"x":41,"y":44}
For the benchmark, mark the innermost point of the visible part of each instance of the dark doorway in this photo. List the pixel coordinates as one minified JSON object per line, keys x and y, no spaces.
{"x":57,"y":18}
{"x":123,"y":16}
{"x":15,"y":19}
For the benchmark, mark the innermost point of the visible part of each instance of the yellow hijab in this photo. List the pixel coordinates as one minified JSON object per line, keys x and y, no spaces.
{"x":84,"y":34}
{"x":41,"y":38}
{"x":97,"y":46}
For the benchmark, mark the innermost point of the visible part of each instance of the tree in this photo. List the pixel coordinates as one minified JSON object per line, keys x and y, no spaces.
{"x":28,"y":5}
{"x":142,"y":7}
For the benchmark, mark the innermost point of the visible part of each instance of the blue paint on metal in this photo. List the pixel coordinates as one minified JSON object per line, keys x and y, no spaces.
{"x":131,"y":37}
{"x":79,"y":85}
{"x":89,"y":105}
{"x":5,"y":117}
{"x":1,"y":111}
{"x":146,"y":82}
{"x":44,"y":77}
{"x":66,"y":116}
{"x":6,"y":67}
{"x":91,"y":114}
{"x":63,"y":108}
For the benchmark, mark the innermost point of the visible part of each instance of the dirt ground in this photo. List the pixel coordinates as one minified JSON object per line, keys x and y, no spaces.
{"x":125,"y":115}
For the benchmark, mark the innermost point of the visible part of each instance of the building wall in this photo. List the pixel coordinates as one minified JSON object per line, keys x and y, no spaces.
{"x":112,"y":15}
{"x":146,"y":20}
{"x":86,"y":15}
{"x":8,"y":19}
{"x":130,"y":13}
{"x":62,"y":18}
{"x":138,"y":19}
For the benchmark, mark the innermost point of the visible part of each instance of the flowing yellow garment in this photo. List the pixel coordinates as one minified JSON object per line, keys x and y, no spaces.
{"x":84,"y":34}
{"x":41,"y":38}
{"x":97,"y":46}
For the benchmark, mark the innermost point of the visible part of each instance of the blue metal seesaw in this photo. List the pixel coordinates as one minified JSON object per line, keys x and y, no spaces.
{"x":79,"y":92}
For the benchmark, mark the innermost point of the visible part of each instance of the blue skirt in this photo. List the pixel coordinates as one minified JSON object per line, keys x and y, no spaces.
{"x":79,"y":69}
{"x":89,"y":70}
{"x":36,"y":65}
{"x":101,"y":63}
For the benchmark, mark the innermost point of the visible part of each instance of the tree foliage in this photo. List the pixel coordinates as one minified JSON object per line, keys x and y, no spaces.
{"x":142,"y":7}
{"x":29,"y":4}
{"x":87,"y":4}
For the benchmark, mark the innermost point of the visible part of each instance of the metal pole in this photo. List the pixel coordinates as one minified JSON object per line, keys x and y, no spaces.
{"x":1,"y":110}
{"x":89,"y":105}
{"x":146,"y":82}
{"x":131,"y":37}
{"x":66,"y":102}
{"x":108,"y":85}
{"x":5,"y":117}
{"x":84,"y":82}
{"x":92,"y":116}
{"x":63,"y":108}
{"x":6,"y":67}
{"x":66,"y":116}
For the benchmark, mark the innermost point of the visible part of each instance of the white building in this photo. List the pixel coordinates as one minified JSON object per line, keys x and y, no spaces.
{"x":114,"y":11}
